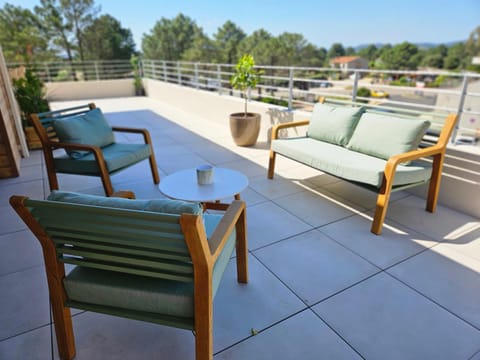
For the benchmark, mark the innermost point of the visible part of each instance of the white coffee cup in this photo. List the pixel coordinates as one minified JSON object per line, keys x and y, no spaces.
{"x":205,"y":174}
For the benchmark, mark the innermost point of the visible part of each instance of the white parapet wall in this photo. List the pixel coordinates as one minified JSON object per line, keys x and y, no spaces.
{"x":79,"y":90}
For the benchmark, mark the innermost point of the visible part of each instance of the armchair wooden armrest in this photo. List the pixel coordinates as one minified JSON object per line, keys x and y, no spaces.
{"x":126,"y":194}
{"x":225,"y":227}
{"x":276,"y":128}
{"x":144,"y":132}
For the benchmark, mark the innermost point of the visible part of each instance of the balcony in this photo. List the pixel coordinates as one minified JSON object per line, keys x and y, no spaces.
{"x":321,"y":285}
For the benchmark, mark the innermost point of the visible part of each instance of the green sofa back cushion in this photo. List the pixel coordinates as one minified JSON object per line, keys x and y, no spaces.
{"x":383,"y":136}
{"x":90,"y":128}
{"x":167,"y":206}
{"x":334,"y":124}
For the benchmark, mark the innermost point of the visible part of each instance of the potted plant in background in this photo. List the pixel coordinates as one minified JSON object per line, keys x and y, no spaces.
{"x":137,"y":80}
{"x":245,"y":126}
{"x":30,"y":94}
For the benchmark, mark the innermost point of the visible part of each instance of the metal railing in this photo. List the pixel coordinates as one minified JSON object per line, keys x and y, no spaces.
{"x":430,"y":94}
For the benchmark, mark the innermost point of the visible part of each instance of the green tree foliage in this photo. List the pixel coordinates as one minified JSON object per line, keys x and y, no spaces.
{"x":227,"y":40}
{"x":169,"y":39}
{"x":264,"y":47}
{"x":106,"y":39}
{"x":456,"y":57}
{"x":369,"y":53}
{"x":336,"y":50}
{"x":472,"y":45}
{"x":203,"y":49}
{"x":403,"y":56}
{"x":434,"y":57}
{"x":64,"y":21}
{"x":350,"y":51}
{"x":20,"y":35}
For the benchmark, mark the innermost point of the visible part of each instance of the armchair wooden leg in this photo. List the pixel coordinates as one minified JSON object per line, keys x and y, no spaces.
{"x":107,"y":184}
{"x":242,"y":249}
{"x":435,"y":180}
{"x":52,"y":181}
{"x":153,"y":166}
{"x":63,"y":330}
{"x":271,"y":164}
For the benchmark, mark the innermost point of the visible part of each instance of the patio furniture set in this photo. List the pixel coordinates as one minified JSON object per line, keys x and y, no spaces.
{"x":162,"y":260}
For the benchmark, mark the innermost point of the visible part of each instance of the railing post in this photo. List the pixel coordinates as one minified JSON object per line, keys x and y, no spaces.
{"x":355,"y":86}
{"x":95,"y":63}
{"x":196,"y":75}
{"x":219,"y":78}
{"x":463,"y":94}
{"x":179,"y":73}
{"x":290,"y":88}
{"x":164,"y":71}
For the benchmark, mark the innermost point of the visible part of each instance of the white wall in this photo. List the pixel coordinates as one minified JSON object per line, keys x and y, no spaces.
{"x":78,"y":90}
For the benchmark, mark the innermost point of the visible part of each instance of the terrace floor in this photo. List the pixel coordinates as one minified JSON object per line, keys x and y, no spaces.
{"x":321,"y":285}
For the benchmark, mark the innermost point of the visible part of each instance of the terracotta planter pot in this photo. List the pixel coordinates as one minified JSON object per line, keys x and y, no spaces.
{"x":245,"y":129}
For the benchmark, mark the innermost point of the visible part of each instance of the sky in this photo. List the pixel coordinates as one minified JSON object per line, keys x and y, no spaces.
{"x":321,"y":22}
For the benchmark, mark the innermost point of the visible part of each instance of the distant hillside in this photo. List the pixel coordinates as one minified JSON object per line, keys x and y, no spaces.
{"x":423,"y":45}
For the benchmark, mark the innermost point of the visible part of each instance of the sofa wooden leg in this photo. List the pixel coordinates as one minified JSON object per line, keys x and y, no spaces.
{"x":381,"y":210}
{"x":271,"y":164}
{"x":435,"y":180}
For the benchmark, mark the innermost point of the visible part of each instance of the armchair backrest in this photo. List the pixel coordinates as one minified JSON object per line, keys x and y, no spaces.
{"x":43,"y":122}
{"x":122,"y":240}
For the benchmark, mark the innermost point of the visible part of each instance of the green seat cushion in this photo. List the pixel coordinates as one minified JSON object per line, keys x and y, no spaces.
{"x":117,"y":156}
{"x":347,"y":164}
{"x":157,"y":205}
{"x":334,"y":124}
{"x":383,"y":136}
{"x":133,"y":292}
{"x":90,"y":128}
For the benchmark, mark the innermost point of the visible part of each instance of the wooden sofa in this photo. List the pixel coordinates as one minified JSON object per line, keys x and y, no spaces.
{"x":379,"y":151}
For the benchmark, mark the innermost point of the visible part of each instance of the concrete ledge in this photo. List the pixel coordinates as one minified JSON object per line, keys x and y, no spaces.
{"x":79,"y":90}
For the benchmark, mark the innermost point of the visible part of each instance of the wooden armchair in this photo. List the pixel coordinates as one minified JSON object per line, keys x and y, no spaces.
{"x":87,"y":138}
{"x":159,"y":261}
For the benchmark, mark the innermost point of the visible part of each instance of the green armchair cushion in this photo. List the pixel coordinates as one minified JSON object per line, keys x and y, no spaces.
{"x":158,"y":205}
{"x":117,"y":156}
{"x":90,"y":128}
{"x":384,"y":136}
{"x":140,"y":293}
{"x":334,"y":124}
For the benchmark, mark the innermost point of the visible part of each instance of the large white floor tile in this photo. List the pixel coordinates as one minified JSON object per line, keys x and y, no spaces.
{"x":449,"y":278}
{"x":316,"y":208}
{"x":395,"y":244}
{"x":384,"y":319}
{"x":314,"y":266}
{"x":303,"y":336}
{"x":267,"y":223}
{"x":24,"y":302}
{"x":239,"y":308}
{"x":32,"y":345}
{"x":443,"y":224}
{"x":21,"y":251}
{"x":102,"y":337}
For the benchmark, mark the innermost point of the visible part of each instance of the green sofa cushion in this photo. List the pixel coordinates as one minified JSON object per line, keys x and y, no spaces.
{"x":140,"y":293}
{"x":90,"y":128}
{"x":157,"y":205}
{"x":347,"y":164}
{"x":334,"y":124}
{"x":383,"y":136}
{"x":117,"y":156}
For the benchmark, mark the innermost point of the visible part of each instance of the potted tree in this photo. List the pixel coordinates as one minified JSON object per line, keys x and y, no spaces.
{"x":30,"y":95}
{"x":245,"y":126}
{"x":137,"y":80}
